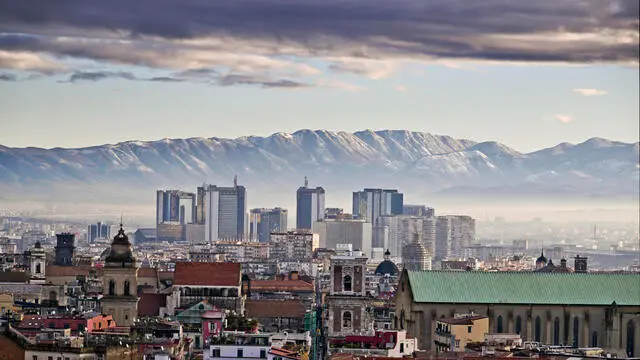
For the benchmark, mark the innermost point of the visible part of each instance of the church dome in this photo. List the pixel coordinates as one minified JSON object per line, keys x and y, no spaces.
{"x":387,"y":267}
{"x":541,"y":259}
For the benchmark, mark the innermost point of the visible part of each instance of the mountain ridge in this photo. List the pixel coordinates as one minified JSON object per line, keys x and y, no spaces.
{"x":389,"y":158}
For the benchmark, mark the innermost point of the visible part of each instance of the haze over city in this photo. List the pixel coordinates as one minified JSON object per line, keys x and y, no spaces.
{"x":319,"y":179}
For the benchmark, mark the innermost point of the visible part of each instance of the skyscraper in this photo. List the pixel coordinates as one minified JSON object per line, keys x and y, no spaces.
{"x":309,"y":206}
{"x":453,"y":234}
{"x":226,"y":215}
{"x":175,"y":206}
{"x":265,"y":221}
{"x":98,"y":231}
{"x":370,"y":204}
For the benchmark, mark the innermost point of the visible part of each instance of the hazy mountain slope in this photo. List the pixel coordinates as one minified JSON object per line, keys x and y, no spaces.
{"x":411,"y":161}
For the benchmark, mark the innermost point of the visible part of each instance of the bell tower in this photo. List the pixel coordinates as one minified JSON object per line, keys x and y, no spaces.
{"x":37,"y":265}
{"x":120,"y":281}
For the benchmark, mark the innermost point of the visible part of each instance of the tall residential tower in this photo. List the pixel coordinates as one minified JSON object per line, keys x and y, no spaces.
{"x":309,"y":206}
{"x":226,"y":214}
{"x":370,"y":204}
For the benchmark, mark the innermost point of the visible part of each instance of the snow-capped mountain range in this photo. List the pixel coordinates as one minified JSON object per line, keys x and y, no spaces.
{"x":410,"y":161}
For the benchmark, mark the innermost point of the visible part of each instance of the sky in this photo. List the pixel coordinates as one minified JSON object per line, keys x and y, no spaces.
{"x":530,"y":74}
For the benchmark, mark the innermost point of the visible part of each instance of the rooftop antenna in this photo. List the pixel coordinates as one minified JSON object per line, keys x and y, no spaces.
{"x":306,"y":182}
{"x":235,"y":180}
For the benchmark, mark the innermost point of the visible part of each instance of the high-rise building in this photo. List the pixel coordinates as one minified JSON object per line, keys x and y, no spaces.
{"x":98,"y":231}
{"x":370,"y":204}
{"x":454,"y":233}
{"x":201,"y":205}
{"x":415,"y":255}
{"x":418,"y":210}
{"x":400,"y":230}
{"x":293,"y":245}
{"x":265,"y":221}
{"x":344,"y":231}
{"x":309,"y":206}
{"x":226,"y":215}
{"x":175,"y":206}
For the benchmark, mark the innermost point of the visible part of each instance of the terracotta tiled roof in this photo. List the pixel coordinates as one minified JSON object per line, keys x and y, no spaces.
{"x":462,"y":320}
{"x":55,"y":270}
{"x":281,"y":285}
{"x":147,"y":272}
{"x":31,"y":322}
{"x":275,"y":308}
{"x":150,"y":304}
{"x":207,"y":274}
{"x":13,"y":277}
{"x":288,"y":354}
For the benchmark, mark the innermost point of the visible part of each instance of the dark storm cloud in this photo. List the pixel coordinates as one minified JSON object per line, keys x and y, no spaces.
{"x":229,"y":80}
{"x":408,"y":28}
{"x":99,"y":75}
{"x":8,"y":77}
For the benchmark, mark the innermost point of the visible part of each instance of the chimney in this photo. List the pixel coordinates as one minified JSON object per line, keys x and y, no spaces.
{"x":293,"y":276}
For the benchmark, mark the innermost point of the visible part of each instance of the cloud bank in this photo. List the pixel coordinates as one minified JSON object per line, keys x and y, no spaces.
{"x":281,"y":42}
{"x":590,"y":92}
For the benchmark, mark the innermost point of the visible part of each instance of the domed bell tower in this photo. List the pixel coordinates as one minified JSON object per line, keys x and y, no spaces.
{"x":120,"y":281}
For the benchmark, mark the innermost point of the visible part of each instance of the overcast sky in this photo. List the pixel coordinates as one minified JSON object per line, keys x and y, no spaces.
{"x":530,"y":74}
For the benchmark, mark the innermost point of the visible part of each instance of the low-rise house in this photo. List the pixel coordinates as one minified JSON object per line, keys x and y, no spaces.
{"x":238,"y":345}
{"x":453,"y":334}
{"x":277,"y":315}
{"x":218,"y":283}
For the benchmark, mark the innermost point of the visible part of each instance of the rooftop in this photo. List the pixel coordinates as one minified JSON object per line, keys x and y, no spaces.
{"x":473,"y":287}
{"x":275,"y":308}
{"x":207,"y":274}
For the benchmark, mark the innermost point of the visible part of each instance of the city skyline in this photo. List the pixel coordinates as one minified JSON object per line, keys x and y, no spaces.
{"x":517,"y":73}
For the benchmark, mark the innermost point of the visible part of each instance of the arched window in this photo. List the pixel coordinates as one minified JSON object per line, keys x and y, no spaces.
{"x":631,"y":338}
{"x":556,"y":331}
{"x":346,"y":320}
{"x":38,"y":268}
{"x":499,"y":327}
{"x":594,"y":339}
{"x":112,"y":287}
{"x":127,"y":286}
{"x":53,"y":296}
{"x":518,"y":325}
{"x":576,"y":331}
{"x":346,"y":283}
{"x":537,"y":331}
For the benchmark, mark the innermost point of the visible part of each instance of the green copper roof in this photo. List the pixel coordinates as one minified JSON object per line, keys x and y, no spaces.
{"x":471,"y":287}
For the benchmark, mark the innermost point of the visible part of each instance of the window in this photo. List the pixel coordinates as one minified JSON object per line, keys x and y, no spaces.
{"x":197,"y":342}
{"x":499,"y":327}
{"x":346,"y":320}
{"x":38,"y":268}
{"x":594,"y":339}
{"x":402,"y":348}
{"x":469,"y":329}
{"x":518,"y":325}
{"x":263,"y":354}
{"x":66,"y":326}
{"x":50,"y":358}
{"x":52,"y":325}
{"x":556,"y":331}
{"x":215,"y":353}
{"x":127,"y":290}
{"x":240,"y":353}
{"x":457,"y":343}
{"x":576,"y":331}
{"x":35,"y":357}
{"x":631,"y":338}
{"x":112,"y":287}
{"x":537,"y":329}
{"x":346,"y":283}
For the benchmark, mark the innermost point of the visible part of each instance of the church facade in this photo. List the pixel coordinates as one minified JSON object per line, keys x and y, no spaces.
{"x":575,"y":309}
